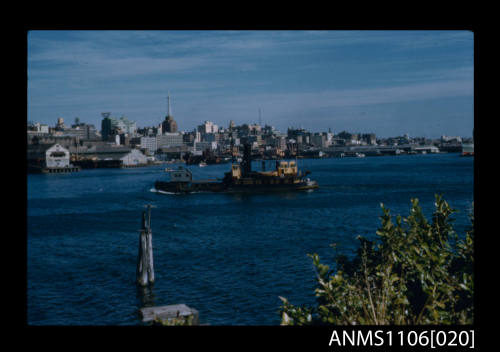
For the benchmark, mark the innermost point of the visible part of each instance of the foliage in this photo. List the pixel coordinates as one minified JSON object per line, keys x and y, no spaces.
{"x":415,"y":273}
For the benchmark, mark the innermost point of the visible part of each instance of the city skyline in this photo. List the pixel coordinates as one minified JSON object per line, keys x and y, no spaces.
{"x":384,"y":82}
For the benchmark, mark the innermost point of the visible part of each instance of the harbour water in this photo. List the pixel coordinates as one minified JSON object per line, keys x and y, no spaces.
{"x":227,"y":255}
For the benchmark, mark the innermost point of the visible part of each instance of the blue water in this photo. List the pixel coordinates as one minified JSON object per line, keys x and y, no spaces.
{"x":228,"y":256}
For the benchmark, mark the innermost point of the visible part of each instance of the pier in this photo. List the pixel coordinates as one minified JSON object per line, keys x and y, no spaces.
{"x":58,"y":170}
{"x":53,"y":170}
{"x":171,"y":314}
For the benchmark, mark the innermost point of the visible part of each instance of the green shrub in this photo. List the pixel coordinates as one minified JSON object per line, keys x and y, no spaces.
{"x":415,"y":273}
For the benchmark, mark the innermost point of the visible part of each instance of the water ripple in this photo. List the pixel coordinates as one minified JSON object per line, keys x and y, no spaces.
{"x":228,"y":256}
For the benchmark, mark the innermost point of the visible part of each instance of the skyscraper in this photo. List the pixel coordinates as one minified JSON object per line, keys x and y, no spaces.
{"x":169,"y":125}
{"x":111,"y":126}
{"x":106,"y":127}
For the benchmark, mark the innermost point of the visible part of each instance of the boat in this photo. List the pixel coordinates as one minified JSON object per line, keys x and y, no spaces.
{"x":202,"y":164}
{"x":241,"y":178}
{"x":468,"y":149}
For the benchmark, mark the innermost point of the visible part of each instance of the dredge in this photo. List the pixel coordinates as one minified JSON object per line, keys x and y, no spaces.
{"x":241,"y":178}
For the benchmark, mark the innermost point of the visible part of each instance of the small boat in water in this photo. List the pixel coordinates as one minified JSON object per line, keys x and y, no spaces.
{"x":202,"y":164}
{"x":468,"y":149}
{"x":241,"y":178}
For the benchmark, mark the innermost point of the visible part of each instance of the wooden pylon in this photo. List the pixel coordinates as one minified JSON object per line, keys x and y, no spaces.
{"x":145,"y":268}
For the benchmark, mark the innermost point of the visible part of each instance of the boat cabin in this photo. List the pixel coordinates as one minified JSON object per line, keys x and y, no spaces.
{"x":236,"y":171}
{"x":286,"y":168}
{"x":180,"y":175}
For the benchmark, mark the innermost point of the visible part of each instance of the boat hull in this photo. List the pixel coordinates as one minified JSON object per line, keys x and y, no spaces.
{"x":221,"y":187}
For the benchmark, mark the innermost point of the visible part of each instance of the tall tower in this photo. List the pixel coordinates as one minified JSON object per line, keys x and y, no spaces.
{"x":169,"y":125}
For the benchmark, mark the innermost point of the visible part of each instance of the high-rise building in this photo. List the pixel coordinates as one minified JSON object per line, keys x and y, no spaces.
{"x":111,"y":126}
{"x":169,"y":125}
{"x":106,"y":127}
{"x":208,"y":127}
{"x":126,"y":126}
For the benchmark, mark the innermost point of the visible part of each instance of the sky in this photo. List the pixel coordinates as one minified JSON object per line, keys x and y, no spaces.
{"x":390,"y":83}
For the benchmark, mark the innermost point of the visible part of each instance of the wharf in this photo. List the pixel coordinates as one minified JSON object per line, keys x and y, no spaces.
{"x":53,"y":170}
{"x":169,"y":314}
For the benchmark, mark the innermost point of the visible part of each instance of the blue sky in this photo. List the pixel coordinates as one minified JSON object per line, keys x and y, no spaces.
{"x":385,"y":82}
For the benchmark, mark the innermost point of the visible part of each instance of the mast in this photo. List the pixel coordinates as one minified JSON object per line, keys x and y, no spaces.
{"x":247,"y":159}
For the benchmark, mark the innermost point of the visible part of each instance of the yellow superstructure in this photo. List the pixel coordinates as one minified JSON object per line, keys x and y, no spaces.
{"x":283,"y":168}
{"x":236,"y":171}
{"x":287,"y":168}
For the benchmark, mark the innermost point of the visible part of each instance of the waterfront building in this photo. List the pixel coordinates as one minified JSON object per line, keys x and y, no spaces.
{"x":48,"y":156}
{"x":425,"y":149}
{"x":57,"y":156}
{"x":123,"y":156}
{"x":134,"y":158}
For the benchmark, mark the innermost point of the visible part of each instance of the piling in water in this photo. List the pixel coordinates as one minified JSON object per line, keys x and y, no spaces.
{"x":145,"y":269}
